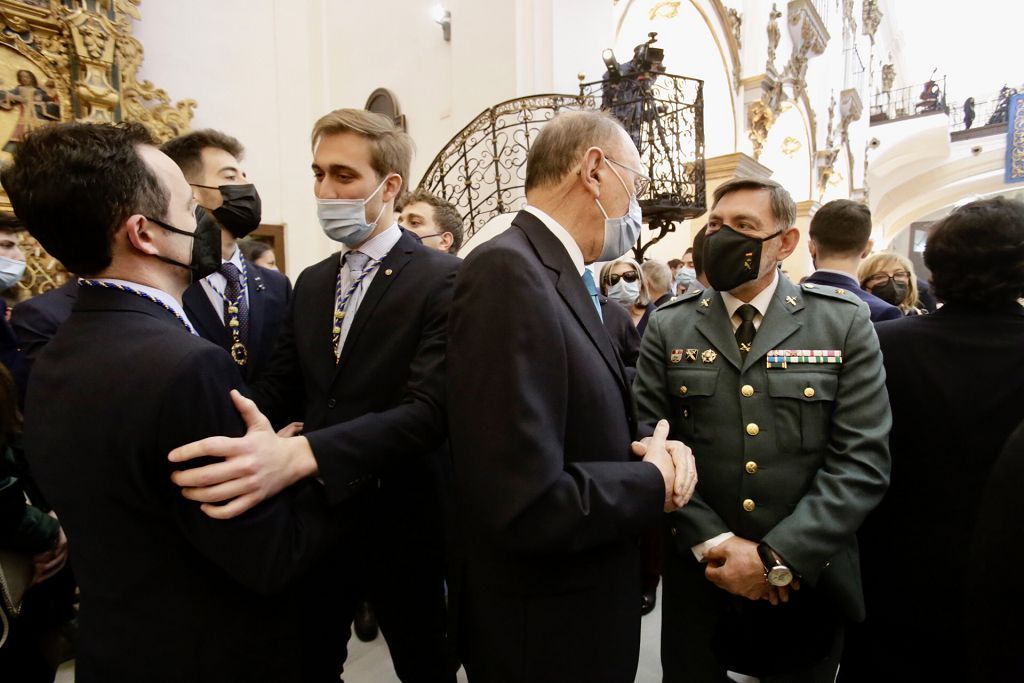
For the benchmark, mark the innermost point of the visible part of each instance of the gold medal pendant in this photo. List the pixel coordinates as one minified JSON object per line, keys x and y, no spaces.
{"x":239,"y":353}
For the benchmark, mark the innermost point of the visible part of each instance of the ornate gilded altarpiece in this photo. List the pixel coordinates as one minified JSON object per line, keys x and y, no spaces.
{"x":73,"y":60}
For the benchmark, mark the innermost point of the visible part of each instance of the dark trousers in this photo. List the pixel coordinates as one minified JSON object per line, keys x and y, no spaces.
{"x":706,"y":631}
{"x":394,"y":558}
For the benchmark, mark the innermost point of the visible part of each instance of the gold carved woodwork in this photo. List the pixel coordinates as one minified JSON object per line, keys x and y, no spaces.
{"x":665,"y":10}
{"x":73,"y":60}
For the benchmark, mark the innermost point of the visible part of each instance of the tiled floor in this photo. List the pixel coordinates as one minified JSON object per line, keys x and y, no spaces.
{"x":370,"y":662}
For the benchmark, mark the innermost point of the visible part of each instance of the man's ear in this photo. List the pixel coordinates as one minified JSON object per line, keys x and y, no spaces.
{"x":392,"y":187}
{"x":868,"y":249}
{"x":590,"y":168}
{"x":790,"y":238}
{"x":447,"y":240}
{"x":140,"y":232}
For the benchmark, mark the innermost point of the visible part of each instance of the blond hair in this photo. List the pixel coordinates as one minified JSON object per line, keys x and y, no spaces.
{"x":391,"y":149}
{"x":876,"y":263}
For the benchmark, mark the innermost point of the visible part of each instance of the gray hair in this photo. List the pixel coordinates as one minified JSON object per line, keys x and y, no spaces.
{"x":658,"y":275}
{"x":562,"y":142}
{"x":783,"y":206}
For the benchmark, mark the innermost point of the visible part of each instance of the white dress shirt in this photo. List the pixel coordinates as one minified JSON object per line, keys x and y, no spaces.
{"x":215,"y":285}
{"x":563,"y":236}
{"x":376,"y":248}
{"x":761,"y":302}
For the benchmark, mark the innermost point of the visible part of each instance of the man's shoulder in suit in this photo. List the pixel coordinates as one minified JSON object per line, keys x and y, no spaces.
{"x":271,"y":278}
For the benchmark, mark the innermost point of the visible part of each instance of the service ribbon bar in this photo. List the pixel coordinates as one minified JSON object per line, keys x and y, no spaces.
{"x":780,"y":358}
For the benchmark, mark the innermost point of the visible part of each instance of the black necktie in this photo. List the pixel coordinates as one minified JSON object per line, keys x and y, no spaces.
{"x":746,"y":331}
{"x":234,"y":293}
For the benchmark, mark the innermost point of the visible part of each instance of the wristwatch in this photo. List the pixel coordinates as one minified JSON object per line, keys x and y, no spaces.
{"x":775,"y":572}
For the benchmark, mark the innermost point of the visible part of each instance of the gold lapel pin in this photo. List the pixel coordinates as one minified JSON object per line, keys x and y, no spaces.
{"x":709,"y":356}
{"x":791,"y":301}
{"x":706,"y":303}
{"x":388,"y":271}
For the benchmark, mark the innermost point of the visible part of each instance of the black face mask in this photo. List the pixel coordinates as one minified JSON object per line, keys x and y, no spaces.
{"x":241,"y":211}
{"x":731,"y":258}
{"x":891,"y":291}
{"x":205,"y":245}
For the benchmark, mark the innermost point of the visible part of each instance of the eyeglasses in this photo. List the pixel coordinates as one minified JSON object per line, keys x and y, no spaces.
{"x":878,"y":278}
{"x":631,"y":277}
{"x":641,"y":182}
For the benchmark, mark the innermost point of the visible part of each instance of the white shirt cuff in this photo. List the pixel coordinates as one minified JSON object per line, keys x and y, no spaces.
{"x":701,"y":548}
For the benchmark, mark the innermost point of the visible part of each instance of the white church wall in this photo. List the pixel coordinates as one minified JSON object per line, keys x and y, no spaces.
{"x":255,"y":69}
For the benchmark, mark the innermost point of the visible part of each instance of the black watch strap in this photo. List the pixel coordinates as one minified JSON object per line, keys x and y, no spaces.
{"x":767,"y":557}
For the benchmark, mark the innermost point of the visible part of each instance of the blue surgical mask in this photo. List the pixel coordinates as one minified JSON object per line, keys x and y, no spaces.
{"x":344,"y":220}
{"x":620,"y":234}
{"x":626,"y":293}
{"x":10,"y":272}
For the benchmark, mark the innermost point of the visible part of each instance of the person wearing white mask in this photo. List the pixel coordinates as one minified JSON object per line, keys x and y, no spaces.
{"x":12,"y":259}
{"x":623,"y":281}
{"x":362,"y":356}
{"x":12,"y":268}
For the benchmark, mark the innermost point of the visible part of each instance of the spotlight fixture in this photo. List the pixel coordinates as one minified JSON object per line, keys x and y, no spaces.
{"x":611,"y":63}
{"x":444,"y":18}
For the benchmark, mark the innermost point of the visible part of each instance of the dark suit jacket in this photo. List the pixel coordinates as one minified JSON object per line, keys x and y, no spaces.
{"x":269,"y":295}
{"x":993,"y":613}
{"x":625,"y":338}
{"x":167,"y":594}
{"x":880,"y":310}
{"x":36,"y":320}
{"x":541,"y":421}
{"x":380,"y":411}
{"x":955,"y":381}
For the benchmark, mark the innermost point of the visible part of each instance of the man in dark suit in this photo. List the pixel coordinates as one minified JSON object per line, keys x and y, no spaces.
{"x":955,"y":379}
{"x":779,"y":391}
{"x":167,"y":594}
{"x":550,"y":496}
{"x":363,"y":351}
{"x":239,"y":292}
{"x":840,"y":235}
{"x":36,"y":320}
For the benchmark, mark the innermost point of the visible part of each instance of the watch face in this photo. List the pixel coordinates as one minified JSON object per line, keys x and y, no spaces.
{"x":780,"y":576}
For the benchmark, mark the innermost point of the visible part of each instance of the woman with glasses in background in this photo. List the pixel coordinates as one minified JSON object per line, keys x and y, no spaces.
{"x":622,"y":281}
{"x":891,"y":278}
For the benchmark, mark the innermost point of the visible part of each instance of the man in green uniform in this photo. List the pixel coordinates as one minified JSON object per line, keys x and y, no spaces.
{"x":779,"y":390}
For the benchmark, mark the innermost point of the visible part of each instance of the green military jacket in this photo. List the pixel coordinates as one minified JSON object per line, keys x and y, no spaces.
{"x":791,"y":444}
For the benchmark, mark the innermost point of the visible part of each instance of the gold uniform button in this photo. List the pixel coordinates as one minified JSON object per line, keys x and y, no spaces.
{"x":749,"y":505}
{"x":674,"y":531}
{"x":751,"y":467}
{"x":809,"y":392}
{"x":683,"y":390}
{"x":747,"y":390}
{"x":753,"y":429}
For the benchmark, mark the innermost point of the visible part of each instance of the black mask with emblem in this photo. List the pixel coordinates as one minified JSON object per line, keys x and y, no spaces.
{"x":732,"y":258}
{"x":891,"y":291}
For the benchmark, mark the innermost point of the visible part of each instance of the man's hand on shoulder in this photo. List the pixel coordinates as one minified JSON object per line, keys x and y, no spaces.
{"x":254,"y":468}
